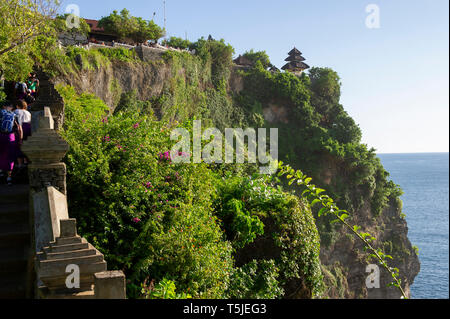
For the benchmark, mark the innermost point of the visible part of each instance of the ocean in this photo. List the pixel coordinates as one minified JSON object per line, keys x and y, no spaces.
{"x":425,"y":180}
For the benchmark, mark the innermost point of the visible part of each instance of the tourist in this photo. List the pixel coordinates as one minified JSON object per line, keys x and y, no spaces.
{"x":32,"y":84}
{"x":29,"y":99}
{"x":24,"y":120}
{"x":8,"y":143}
{"x":20,"y":90}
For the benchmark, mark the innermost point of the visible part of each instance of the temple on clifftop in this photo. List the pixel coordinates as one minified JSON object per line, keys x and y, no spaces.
{"x":295,"y":62}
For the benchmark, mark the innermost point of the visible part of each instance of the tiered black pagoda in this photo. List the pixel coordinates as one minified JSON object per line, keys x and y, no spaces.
{"x":295,"y":62}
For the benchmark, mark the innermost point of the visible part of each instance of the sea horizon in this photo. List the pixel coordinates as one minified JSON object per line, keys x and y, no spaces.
{"x":425,"y":181}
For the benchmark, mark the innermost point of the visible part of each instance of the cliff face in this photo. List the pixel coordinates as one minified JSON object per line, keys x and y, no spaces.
{"x":348,"y":257}
{"x":110,"y":81}
{"x":343,"y":258}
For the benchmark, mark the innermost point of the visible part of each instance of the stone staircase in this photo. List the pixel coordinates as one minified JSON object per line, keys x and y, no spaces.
{"x":15,"y":242}
{"x":49,"y":96}
{"x":69,"y":250}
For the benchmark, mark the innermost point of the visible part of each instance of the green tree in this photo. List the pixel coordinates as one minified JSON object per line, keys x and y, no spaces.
{"x":146,"y":30}
{"x":61,"y":26}
{"x":326,"y":89}
{"x":219,"y":55}
{"x":176,"y":42}
{"x":258,"y":56}
{"x":125,"y":26}
{"x":23,"y":22}
{"x":119,"y":24}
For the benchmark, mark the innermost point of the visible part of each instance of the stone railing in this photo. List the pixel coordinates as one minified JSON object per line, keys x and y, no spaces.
{"x":66,"y":265}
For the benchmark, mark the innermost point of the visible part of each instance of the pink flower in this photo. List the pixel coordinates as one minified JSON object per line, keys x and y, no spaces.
{"x":148,"y":185}
{"x":165,"y":156}
{"x":136,"y":220}
{"x":135,"y":126}
{"x":183,"y":154}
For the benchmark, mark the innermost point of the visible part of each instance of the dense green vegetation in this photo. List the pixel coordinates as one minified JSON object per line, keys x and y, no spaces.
{"x":61,"y":25}
{"x":260,"y":56}
{"x":203,"y":231}
{"x":184,"y":224}
{"x":29,"y":31}
{"x":176,"y":42}
{"x":328,"y":207}
{"x":326,"y":136}
{"x":323,"y":128}
{"x":3,"y":95}
{"x":25,"y":26}
{"x":125,"y":26}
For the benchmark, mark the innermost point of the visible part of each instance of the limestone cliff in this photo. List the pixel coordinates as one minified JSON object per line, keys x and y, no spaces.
{"x":111,"y":80}
{"x":343,"y":258}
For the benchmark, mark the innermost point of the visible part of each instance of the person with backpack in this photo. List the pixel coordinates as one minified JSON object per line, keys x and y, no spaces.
{"x":23,"y":118}
{"x":20,"y":90}
{"x":8,"y":140}
{"x":33,"y":84}
{"x":29,"y":99}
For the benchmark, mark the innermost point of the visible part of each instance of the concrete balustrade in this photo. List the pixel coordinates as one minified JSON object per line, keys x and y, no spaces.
{"x":61,"y":254}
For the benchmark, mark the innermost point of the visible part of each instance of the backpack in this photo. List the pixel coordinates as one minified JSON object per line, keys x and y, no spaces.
{"x":6,"y":122}
{"x":21,"y":87}
{"x":30,"y":100}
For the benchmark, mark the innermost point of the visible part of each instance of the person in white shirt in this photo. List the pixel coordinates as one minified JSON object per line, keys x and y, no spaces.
{"x":24,"y":119}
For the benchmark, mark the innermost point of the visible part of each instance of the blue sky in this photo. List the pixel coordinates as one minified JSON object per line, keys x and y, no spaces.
{"x":394,"y":79}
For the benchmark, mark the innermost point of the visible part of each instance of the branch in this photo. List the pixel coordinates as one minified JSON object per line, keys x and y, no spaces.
{"x":329,"y":207}
{"x":14,"y":45}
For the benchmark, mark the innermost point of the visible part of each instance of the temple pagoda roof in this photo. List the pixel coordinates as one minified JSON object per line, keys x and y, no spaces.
{"x":295,"y":51}
{"x":296,"y":57}
{"x":295,"y":65}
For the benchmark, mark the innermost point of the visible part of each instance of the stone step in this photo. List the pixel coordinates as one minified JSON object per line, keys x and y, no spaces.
{"x":71,"y":254}
{"x":16,"y":252}
{"x":59,"y":266}
{"x":65,"y":248}
{"x":14,"y":235}
{"x":66,"y":241}
{"x":55,"y":276}
{"x":59,"y":270}
{"x":14,"y":194}
{"x":13,"y":286}
{"x":13,"y":263}
{"x":14,"y":213}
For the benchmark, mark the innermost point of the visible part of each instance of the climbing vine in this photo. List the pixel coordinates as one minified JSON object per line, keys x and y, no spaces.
{"x":316,"y":196}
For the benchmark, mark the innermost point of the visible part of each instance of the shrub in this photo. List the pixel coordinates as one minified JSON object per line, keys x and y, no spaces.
{"x":175,"y":224}
{"x":176,"y":42}
{"x":256,"y":280}
{"x":260,"y":56}
{"x":265,"y":223}
{"x":3,"y":96}
{"x":149,"y":217}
